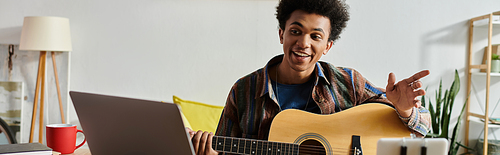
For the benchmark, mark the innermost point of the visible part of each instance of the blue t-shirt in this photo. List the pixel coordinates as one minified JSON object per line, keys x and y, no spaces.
{"x":296,"y":96}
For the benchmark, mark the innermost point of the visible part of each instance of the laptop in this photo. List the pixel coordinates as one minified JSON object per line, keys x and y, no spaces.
{"x":119,"y":125}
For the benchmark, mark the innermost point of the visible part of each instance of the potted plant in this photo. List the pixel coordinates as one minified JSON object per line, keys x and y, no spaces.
{"x":441,"y":112}
{"x":495,"y":63}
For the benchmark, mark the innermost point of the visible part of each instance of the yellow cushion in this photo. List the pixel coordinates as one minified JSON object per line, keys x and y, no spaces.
{"x":200,"y":116}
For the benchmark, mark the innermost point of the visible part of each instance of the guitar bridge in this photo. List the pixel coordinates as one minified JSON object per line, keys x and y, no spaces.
{"x":356,"y":145}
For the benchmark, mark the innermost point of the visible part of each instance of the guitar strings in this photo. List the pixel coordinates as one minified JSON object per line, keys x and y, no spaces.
{"x":316,"y":146}
{"x":305,"y":147}
{"x":314,"y":149}
{"x":322,"y":151}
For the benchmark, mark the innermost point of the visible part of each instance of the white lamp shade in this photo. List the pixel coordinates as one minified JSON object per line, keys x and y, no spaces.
{"x":45,"y":34}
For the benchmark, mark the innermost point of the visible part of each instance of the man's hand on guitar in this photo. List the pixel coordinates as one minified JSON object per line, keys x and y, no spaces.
{"x":404,"y":93}
{"x":202,"y":142}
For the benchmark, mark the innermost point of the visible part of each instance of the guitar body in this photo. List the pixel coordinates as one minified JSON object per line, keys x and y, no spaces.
{"x":369,"y":121}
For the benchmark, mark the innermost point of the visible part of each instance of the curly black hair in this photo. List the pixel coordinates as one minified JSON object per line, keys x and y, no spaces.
{"x":335,"y":10}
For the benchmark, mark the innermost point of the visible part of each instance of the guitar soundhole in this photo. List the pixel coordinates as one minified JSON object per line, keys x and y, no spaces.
{"x":311,"y":147}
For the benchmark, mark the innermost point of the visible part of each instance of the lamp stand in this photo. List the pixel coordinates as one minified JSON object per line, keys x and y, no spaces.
{"x":58,"y":88}
{"x":39,"y":80}
{"x":40,"y":85}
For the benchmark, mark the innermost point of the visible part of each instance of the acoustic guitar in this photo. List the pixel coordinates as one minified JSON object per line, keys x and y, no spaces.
{"x":354,"y":131}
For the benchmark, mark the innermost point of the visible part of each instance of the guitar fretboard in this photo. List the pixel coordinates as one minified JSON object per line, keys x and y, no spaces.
{"x":254,"y":147}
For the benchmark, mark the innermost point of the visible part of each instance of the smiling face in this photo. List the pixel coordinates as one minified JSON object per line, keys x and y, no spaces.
{"x":305,"y":40}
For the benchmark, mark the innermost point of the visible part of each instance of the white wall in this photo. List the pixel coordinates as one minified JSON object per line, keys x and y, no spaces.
{"x":197,"y":49}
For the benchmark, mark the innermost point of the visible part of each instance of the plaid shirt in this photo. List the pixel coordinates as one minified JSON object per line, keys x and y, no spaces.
{"x":252,"y":105}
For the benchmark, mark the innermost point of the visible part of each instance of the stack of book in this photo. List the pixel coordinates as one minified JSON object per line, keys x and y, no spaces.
{"x":495,"y":120}
{"x":25,"y":149}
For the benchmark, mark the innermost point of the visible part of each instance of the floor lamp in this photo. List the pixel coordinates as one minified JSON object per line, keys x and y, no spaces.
{"x":44,"y":34}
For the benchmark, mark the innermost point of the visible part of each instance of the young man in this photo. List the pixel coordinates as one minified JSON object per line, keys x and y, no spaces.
{"x":298,"y":80}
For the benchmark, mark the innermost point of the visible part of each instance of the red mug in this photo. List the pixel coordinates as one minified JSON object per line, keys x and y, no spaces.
{"x":62,"y":137}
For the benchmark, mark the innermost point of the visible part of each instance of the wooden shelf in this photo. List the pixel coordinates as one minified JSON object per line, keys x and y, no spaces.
{"x":483,"y":21}
{"x":479,"y":121}
{"x":484,"y":74}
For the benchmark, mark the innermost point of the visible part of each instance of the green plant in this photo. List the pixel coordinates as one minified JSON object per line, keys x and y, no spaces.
{"x":495,"y":56}
{"x":441,"y":115}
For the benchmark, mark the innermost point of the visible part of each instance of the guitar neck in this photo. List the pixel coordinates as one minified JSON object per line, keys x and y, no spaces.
{"x":252,"y":146}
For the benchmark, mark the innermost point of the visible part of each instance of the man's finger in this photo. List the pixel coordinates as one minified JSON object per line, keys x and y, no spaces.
{"x":208,"y":148}
{"x":417,"y":103}
{"x":419,"y":92}
{"x":196,"y":141}
{"x":203,"y":142}
{"x":190,"y":132}
{"x":417,"y":76}
{"x":390,"y":82}
{"x":417,"y":85}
